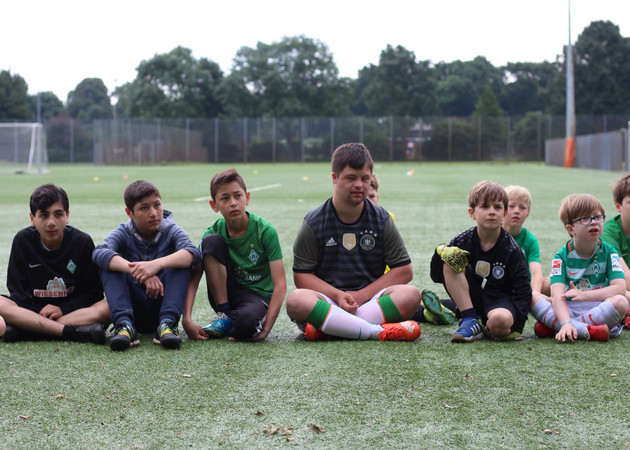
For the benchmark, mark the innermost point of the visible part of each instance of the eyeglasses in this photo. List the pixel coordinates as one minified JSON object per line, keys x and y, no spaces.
{"x":586,"y":220}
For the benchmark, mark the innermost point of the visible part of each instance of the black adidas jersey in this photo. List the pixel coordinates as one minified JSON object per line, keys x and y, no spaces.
{"x":65,"y":277}
{"x":348,"y":256}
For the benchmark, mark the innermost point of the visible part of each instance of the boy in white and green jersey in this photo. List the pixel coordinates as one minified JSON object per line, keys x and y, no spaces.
{"x":242,"y":260}
{"x":587,"y":279}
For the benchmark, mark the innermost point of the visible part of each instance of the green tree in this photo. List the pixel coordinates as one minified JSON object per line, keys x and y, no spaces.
{"x":400,"y":86}
{"x":13,"y":97}
{"x":89,"y":100}
{"x":489,"y":114}
{"x":528,"y":87}
{"x":602,"y":70}
{"x":296,"y":77}
{"x":50,"y":105}
{"x":172,"y":85}
{"x":456,"y":96}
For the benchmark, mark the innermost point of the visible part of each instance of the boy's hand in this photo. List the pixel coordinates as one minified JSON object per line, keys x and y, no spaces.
{"x":566,"y":332}
{"x":141,"y":271}
{"x":154,"y":286}
{"x":347,"y":303}
{"x":194,"y":331}
{"x":52,"y":312}
{"x":574,"y":294}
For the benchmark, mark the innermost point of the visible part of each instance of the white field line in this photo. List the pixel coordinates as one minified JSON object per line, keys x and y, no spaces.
{"x":259,"y":188}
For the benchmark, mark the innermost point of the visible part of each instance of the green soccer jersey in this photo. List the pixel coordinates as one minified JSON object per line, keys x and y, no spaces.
{"x":615,"y":236}
{"x":586,"y":273}
{"x":250,"y":254}
{"x":529,"y":245}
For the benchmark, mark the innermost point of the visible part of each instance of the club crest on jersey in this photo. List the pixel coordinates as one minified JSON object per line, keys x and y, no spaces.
{"x":349,"y":241}
{"x":367,"y":241}
{"x":498,"y":271}
{"x":71,"y":266}
{"x":482,"y":268}
{"x":253,"y":257}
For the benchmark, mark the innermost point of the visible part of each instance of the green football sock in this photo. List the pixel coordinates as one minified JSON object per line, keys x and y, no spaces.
{"x":390,"y":312}
{"x":319,"y":313}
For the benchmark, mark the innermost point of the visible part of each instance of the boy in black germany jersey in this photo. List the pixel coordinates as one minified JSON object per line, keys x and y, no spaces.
{"x":340,"y":255}
{"x":54,"y":288}
{"x":492,"y":290}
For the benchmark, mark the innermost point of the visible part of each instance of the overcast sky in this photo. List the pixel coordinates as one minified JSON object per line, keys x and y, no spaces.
{"x":54,"y":45}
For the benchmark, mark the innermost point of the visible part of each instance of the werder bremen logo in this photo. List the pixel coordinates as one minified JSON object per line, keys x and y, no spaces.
{"x":71,"y":266}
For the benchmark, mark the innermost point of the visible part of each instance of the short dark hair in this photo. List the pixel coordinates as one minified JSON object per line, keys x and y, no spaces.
{"x":621,"y":189}
{"x":353,"y":154}
{"x":137,"y":190}
{"x":486,"y":192}
{"x":225,"y":177}
{"x":47,"y":194}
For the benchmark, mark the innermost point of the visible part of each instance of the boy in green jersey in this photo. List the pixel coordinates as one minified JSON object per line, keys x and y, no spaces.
{"x":519,"y":206}
{"x":617,"y":230}
{"x":242,"y":260}
{"x":587,"y":280}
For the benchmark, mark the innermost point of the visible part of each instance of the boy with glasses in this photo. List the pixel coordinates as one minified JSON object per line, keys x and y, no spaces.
{"x":587,"y":279}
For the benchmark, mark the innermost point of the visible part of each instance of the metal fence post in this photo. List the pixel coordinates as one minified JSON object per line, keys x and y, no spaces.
{"x":391,"y":138}
{"x":245,"y":140}
{"x":273,"y":140}
{"x":187,"y":140}
{"x":216,"y":140}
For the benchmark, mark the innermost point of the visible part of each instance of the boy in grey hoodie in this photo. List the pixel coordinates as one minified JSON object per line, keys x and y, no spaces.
{"x":145,"y":266}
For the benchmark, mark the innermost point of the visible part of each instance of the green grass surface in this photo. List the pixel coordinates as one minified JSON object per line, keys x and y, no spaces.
{"x":533,"y":393}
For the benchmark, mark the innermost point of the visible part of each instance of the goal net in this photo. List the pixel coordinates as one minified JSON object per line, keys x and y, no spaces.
{"x":23,"y":148}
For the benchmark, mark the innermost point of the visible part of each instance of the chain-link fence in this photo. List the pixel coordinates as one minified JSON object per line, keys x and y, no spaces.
{"x":153,"y":141}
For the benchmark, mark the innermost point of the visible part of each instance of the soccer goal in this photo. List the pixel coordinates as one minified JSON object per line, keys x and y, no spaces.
{"x":23,"y":148}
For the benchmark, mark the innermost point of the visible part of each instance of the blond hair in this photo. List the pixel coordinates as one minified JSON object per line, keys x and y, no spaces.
{"x":519,"y":193}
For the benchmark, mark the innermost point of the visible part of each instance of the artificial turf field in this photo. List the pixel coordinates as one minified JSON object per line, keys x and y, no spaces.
{"x":288,"y":392}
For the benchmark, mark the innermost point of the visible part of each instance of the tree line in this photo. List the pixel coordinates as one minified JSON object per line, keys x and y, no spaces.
{"x":297,"y":77}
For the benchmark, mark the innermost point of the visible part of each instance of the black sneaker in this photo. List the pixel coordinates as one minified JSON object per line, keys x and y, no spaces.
{"x":167,"y":336}
{"x":125,"y":336}
{"x":92,"y":333}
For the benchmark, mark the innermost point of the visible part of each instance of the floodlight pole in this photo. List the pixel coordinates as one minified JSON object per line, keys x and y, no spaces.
{"x":569,"y":141}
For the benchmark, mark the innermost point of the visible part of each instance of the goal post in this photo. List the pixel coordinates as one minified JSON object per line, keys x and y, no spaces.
{"x":23,"y":148}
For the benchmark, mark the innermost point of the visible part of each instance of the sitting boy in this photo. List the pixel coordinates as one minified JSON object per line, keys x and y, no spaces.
{"x":617,"y":230}
{"x":54,"y":289}
{"x":490,"y":282}
{"x":587,"y":280}
{"x":519,"y":206}
{"x":340,"y":255}
{"x":242,"y":260}
{"x":145,"y":269}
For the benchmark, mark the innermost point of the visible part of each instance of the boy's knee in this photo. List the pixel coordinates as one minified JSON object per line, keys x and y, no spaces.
{"x":300,"y":303}
{"x":500,"y":322}
{"x":620,"y":303}
{"x":407,"y":299}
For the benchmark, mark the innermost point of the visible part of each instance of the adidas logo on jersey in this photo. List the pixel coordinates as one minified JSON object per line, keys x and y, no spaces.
{"x":331,"y":242}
